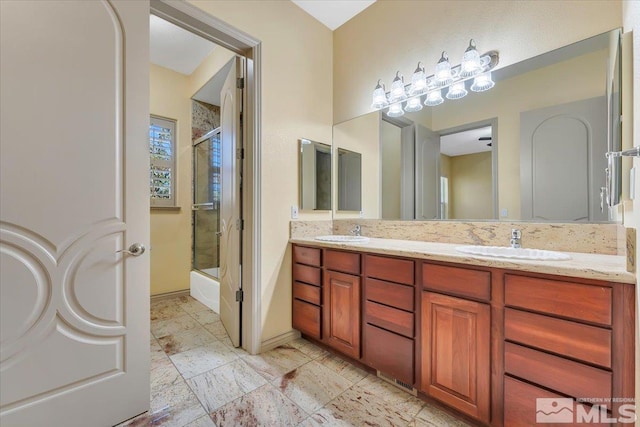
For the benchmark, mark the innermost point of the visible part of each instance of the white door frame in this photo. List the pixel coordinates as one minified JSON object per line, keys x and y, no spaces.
{"x":197,"y":21}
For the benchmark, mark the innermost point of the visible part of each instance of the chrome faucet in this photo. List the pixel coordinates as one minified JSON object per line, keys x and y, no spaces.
{"x":357,"y":230}
{"x":516,"y":237}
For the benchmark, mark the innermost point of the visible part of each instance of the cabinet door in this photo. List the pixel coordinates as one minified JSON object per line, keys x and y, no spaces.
{"x":455,"y":353}
{"x":342,"y":312}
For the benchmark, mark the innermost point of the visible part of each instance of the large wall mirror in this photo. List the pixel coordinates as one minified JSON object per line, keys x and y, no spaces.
{"x":315,"y":175}
{"x":532,"y":148}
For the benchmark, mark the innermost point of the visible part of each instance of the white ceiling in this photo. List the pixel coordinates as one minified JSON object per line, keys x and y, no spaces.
{"x":175,"y":48}
{"x":466,"y":142}
{"x":333,"y":13}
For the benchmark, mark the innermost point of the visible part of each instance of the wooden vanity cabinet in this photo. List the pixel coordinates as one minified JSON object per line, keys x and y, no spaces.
{"x":570,"y":338}
{"x":389,"y":316}
{"x":307,"y":291}
{"x":341,"y":294}
{"x":485,"y":341}
{"x":456,"y":339}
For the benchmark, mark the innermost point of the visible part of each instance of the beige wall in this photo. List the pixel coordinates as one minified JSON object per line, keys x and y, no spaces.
{"x":631,"y":18}
{"x":470,"y":183}
{"x":395,"y":35}
{"x":362,"y":136}
{"x":296,"y":103}
{"x":170,"y":229}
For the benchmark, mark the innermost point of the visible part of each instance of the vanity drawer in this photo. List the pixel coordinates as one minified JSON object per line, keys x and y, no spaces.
{"x":309,"y":256}
{"x":307,"y":318}
{"x":307,"y":293}
{"x":389,"y":353}
{"x":392,"y":319}
{"x":520,"y":407}
{"x":391,"y":269}
{"x":464,"y":282}
{"x":573,"y":300}
{"x":582,"y":342}
{"x":393,"y":294}
{"x":306,"y":274}
{"x":559,"y":374}
{"x":346,"y":262}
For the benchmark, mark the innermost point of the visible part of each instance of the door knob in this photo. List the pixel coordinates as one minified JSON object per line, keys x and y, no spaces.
{"x":135,"y":249}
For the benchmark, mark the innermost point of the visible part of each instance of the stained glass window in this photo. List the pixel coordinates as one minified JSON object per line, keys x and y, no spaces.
{"x":163,"y":163}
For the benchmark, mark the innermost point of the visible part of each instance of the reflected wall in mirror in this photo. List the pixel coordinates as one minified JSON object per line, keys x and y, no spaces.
{"x":349,"y":180}
{"x":315,"y":175}
{"x":546,"y":121}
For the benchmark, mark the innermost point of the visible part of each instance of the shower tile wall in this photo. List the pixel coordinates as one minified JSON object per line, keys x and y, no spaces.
{"x":204,"y":117}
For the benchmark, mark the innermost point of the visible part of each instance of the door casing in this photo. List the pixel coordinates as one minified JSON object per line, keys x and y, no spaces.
{"x":197,"y":21}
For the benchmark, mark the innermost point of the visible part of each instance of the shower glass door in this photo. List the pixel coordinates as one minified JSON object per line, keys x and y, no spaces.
{"x":206,"y":203}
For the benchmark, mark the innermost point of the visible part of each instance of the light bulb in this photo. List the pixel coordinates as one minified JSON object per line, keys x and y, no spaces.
{"x":418,"y":81}
{"x":397,"y":92}
{"x":413,"y":105}
{"x":482,"y":82}
{"x":471,"y":64}
{"x":434,"y":98}
{"x":395,"y":110}
{"x":443,"y":71}
{"x":457,"y":91}
{"x":379,"y":97}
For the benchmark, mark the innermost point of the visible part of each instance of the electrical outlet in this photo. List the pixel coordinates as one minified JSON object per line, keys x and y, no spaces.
{"x":504,"y":213}
{"x":294,"y":212}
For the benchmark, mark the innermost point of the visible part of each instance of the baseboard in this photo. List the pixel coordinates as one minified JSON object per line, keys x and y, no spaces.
{"x":168,"y":295}
{"x":279,"y":340}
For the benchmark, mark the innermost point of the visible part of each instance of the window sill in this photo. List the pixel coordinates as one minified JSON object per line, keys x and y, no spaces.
{"x":166,"y":208}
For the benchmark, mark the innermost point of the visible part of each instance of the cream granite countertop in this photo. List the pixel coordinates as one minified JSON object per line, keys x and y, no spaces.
{"x":611,"y":268}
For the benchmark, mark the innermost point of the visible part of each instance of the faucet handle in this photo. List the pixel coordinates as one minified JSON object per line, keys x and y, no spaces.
{"x":357,"y":230}
{"x":515,"y":233}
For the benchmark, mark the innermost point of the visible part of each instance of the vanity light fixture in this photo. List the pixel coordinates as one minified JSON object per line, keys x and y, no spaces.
{"x":395,"y":110}
{"x":413,"y":104}
{"x":398,"y":92}
{"x":427,"y":90}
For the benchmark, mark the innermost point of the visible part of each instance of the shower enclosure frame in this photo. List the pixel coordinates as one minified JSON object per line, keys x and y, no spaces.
{"x":206,"y":206}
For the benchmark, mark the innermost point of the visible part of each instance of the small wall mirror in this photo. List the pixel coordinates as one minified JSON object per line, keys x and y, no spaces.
{"x":349,"y":180}
{"x":315,"y":175}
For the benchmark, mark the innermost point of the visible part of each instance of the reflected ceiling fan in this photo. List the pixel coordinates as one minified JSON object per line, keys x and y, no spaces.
{"x":485,"y":138}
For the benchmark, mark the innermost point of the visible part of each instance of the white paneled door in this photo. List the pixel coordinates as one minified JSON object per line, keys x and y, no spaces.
{"x":74,"y":329}
{"x":230,"y":206}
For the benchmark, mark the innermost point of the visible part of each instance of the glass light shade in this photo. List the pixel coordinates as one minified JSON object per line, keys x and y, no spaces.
{"x":443,"y":74}
{"x":379,"y":97}
{"x":413,"y":104}
{"x":457,"y":91}
{"x":482,"y":82}
{"x":395,"y":110}
{"x":471,"y":64}
{"x":434,"y":98}
{"x":418,"y":82}
{"x":397,"y":92}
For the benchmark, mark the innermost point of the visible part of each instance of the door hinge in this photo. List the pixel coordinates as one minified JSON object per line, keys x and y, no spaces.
{"x":240,"y":83}
{"x":239,"y":224}
{"x":240,"y":153}
{"x":239,"y":295}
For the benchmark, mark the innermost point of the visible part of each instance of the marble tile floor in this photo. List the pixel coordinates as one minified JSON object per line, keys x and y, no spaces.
{"x":199,"y":380}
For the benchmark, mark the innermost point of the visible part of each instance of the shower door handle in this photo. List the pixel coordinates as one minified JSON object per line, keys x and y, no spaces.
{"x":135,"y":249}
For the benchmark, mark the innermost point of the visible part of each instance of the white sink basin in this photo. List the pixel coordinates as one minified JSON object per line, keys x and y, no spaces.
{"x":343,"y":239}
{"x":518,"y":253}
